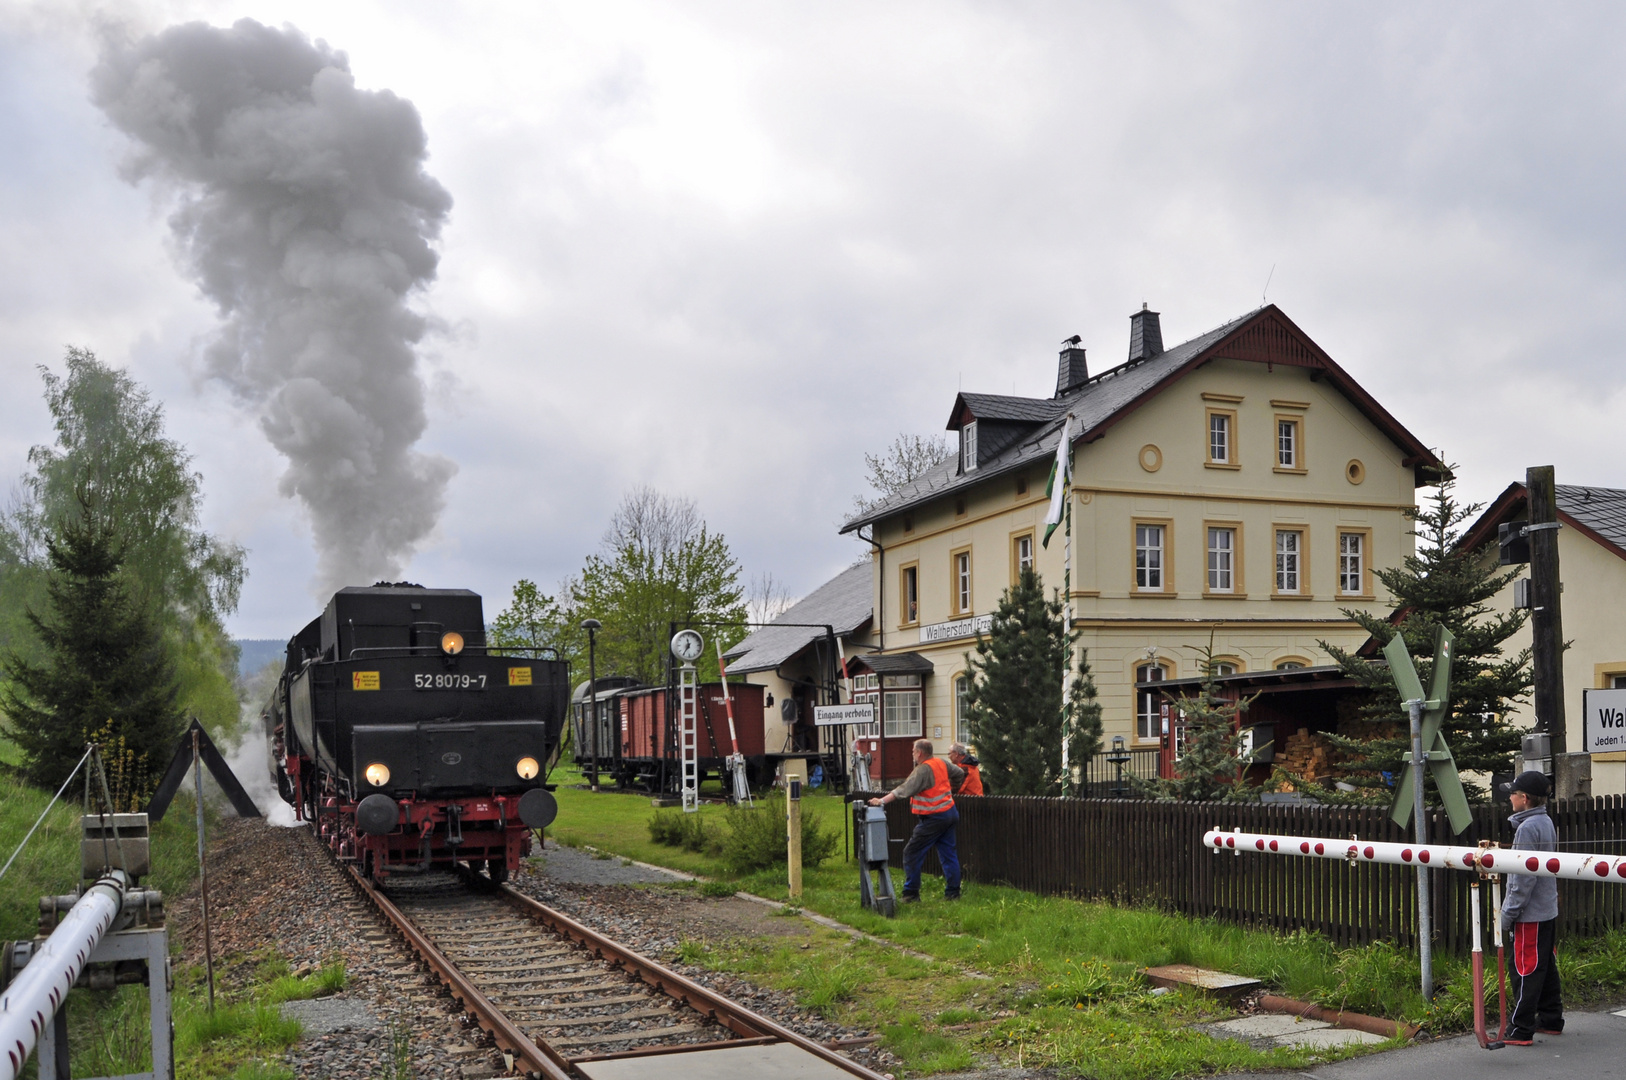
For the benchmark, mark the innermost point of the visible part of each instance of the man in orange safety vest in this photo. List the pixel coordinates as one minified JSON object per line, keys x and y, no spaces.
{"x":930,"y":791}
{"x":960,"y":756}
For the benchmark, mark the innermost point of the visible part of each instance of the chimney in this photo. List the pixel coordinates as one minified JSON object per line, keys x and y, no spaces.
{"x":1145,"y":335}
{"x":1071,"y":372}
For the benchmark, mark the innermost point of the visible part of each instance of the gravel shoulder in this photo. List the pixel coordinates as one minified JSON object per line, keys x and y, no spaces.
{"x":275,"y":892}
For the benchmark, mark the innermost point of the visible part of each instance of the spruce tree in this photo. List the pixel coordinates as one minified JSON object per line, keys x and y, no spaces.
{"x":104,"y":671}
{"x":1443,"y":584}
{"x":1014,"y":694}
{"x":1210,"y":757}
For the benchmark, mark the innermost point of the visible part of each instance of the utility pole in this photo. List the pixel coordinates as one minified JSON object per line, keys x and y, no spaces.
{"x":1572,"y":773}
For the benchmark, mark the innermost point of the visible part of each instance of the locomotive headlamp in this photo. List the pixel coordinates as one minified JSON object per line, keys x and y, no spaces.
{"x":378,"y":774}
{"x":527,"y":768}
{"x":451,"y":643}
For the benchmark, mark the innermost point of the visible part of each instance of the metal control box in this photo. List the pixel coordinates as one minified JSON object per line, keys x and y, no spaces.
{"x":106,"y":836}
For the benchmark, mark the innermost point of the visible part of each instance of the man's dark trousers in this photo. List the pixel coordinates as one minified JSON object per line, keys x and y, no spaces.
{"x":932,"y":830}
{"x":1534,"y":981}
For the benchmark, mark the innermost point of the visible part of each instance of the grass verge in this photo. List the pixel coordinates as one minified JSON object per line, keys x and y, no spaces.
{"x":1064,"y":989}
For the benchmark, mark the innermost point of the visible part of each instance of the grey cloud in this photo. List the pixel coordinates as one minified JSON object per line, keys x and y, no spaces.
{"x":303,"y":212}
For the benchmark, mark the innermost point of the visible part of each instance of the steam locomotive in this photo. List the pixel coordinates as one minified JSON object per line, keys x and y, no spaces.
{"x":405,"y":742}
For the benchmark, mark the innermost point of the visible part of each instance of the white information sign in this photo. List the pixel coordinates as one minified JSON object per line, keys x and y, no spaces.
{"x":959,"y":628}
{"x":842,"y":715}
{"x":1605,"y":720}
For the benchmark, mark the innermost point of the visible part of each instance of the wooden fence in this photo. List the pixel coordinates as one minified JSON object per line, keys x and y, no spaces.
{"x":1140,"y":852}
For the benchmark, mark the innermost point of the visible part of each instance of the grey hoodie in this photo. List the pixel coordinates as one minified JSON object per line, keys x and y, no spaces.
{"x":1531,"y":899}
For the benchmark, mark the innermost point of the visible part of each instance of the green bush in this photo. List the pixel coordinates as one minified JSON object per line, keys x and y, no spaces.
{"x":756,"y":837}
{"x":676,"y":829}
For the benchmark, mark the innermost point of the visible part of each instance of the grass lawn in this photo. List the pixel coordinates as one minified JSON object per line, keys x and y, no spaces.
{"x":1063,"y":988}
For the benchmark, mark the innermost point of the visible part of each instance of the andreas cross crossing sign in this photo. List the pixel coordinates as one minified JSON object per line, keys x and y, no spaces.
{"x":1436,"y":755}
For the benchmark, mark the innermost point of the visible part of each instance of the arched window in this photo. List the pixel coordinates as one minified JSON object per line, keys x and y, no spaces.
{"x":1149,"y":703}
{"x":962,"y":730}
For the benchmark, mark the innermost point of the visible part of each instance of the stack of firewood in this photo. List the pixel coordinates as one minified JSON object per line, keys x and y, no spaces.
{"x":1306,"y":755}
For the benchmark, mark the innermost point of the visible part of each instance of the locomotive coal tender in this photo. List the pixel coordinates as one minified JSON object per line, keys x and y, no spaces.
{"x":405,"y":742}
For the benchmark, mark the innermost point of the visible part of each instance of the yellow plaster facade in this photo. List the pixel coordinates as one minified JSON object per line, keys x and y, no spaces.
{"x":1300,"y":458}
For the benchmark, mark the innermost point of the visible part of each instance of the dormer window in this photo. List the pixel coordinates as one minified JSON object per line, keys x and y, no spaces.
{"x":968,"y":447}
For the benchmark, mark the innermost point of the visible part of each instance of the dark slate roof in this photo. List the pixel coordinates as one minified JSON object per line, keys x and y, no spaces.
{"x":844,"y":603}
{"x":1114,"y":393}
{"x":1597,"y":511}
{"x":1091,"y":404}
{"x":903,"y":663}
{"x":1003,"y":407}
{"x":1603,"y":510}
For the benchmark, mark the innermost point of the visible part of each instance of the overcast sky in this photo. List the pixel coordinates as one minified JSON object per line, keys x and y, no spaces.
{"x":725,"y":249}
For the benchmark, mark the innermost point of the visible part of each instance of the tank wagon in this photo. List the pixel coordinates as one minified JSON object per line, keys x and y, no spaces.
{"x":405,"y":742}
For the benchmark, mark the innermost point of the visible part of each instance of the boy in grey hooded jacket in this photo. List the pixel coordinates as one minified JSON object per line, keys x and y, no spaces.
{"x":1530,"y":916}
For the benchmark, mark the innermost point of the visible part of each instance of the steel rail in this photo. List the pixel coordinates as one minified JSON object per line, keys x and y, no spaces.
{"x":537,"y":1057}
{"x":737,"y":1018}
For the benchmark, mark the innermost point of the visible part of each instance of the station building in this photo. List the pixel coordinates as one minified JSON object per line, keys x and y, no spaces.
{"x":1238,"y":489}
{"x":1592,"y":557}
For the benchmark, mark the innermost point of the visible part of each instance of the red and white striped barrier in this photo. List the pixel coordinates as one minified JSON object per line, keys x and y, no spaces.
{"x":1553,"y":864}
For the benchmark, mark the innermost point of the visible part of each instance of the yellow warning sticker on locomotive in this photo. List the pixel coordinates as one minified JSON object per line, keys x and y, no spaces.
{"x":364,"y":680}
{"x":519,"y":676}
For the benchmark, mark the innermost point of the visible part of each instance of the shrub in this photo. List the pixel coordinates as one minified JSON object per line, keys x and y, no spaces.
{"x":756,"y":837}
{"x":674,"y":828}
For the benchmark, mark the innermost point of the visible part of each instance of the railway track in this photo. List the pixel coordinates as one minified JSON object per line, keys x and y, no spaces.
{"x":564,"y":1002}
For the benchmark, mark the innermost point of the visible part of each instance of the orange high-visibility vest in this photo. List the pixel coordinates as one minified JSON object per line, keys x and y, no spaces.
{"x":972,"y":784}
{"x":937,"y":798}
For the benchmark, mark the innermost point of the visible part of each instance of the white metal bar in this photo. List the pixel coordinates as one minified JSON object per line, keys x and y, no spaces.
{"x":1550,"y":864}
{"x":38,"y":991}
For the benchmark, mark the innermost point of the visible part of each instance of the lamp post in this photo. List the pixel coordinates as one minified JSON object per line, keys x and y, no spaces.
{"x":592,"y":627}
{"x":1118,"y":757}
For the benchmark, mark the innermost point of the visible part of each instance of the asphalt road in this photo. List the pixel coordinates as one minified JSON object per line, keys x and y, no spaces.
{"x":1593,"y":1045}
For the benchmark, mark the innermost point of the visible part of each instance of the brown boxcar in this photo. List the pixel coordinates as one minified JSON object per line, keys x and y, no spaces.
{"x":644,"y":734}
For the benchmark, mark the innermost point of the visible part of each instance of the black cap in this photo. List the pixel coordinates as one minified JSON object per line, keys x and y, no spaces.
{"x":1530,"y":782}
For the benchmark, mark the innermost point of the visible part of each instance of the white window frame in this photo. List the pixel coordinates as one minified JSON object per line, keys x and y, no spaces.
{"x":1287,"y":443}
{"x":1149,"y":561}
{"x":902,"y":715}
{"x":962,"y":686}
{"x":1289,"y":561}
{"x":1219,"y":437}
{"x":1024,"y":553}
{"x":1149,"y":705}
{"x":968,"y":447}
{"x":1221,"y":559}
{"x":962,"y":582}
{"x":1351,"y":563}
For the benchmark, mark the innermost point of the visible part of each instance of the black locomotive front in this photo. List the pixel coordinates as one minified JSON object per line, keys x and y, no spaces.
{"x":406,"y":741}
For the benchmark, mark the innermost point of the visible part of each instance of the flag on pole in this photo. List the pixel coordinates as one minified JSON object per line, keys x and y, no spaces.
{"x":1061,"y":480}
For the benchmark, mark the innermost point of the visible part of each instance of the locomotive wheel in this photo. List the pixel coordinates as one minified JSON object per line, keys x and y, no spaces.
{"x":497,"y":870}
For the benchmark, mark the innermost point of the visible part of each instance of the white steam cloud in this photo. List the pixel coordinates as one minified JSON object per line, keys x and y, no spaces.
{"x":303,"y":211}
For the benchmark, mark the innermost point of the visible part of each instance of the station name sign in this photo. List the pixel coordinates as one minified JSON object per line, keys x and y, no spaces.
{"x":959,"y":628}
{"x":1605,"y":713}
{"x":841,"y":715}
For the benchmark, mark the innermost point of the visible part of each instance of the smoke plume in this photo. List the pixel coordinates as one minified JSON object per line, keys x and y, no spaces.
{"x":303,"y":211}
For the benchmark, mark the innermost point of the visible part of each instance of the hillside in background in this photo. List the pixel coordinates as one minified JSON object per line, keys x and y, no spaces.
{"x":254,"y":653}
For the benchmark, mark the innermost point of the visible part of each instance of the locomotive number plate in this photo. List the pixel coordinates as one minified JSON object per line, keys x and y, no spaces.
{"x":448,"y":681}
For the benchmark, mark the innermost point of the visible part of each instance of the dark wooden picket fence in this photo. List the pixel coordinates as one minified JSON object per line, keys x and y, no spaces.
{"x":1141,"y":852}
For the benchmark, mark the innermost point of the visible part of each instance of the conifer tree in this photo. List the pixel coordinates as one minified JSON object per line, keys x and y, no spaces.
{"x":1014,"y":694}
{"x":1443,"y":584}
{"x":104,"y":671}
{"x":1211,"y":755}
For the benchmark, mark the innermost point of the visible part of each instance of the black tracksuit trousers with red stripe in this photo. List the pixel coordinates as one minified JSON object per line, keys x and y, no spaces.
{"x":1535,"y":992}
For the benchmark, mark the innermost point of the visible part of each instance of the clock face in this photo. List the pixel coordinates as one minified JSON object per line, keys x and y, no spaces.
{"x":687,"y":646}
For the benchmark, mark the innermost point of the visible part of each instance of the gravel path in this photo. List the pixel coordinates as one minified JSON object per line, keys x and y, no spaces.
{"x":275,"y":892}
